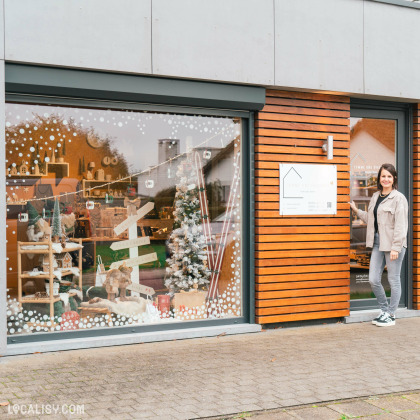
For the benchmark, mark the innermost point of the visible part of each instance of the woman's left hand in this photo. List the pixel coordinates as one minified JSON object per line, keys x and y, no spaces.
{"x":394,"y":255}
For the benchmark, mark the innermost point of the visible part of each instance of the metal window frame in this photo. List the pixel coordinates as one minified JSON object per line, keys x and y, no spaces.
{"x":401,"y":3}
{"x":96,"y":85}
{"x":404,"y":147}
{"x":20,"y":93}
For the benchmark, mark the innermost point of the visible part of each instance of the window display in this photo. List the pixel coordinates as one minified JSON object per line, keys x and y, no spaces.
{"x":119,"y":218}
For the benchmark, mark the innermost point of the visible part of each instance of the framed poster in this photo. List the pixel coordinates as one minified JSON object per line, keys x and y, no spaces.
{"x":308,"y":189}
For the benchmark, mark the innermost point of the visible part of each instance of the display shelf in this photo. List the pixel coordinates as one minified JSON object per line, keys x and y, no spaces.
{"x":42,"y":248}
{"x":32,"y":299}
{"x":19,"y":176}
{"x":46,"y":276}
{"x":61,"y":169}
{"x":357,"y":265}
{"x":103,"y":238}
{"x":103,"y":187}
{"x":51,"y":299}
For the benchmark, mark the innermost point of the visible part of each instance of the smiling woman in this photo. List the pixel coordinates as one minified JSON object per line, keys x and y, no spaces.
{"x":118,"y":218}
{"x":386,"y":234}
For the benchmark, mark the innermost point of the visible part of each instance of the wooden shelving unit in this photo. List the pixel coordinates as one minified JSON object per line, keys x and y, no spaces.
{"x":60,"y":168}
{"x":103,"y":187}
{"x":46,"y":249}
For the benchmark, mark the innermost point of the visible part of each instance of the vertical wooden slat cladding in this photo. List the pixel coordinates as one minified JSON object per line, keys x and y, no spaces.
{"x":416,"y":208}
{"x":302,"y":269}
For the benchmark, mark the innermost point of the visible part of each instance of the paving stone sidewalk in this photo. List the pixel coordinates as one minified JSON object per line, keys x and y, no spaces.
{"x":383,"y":407}
{"x":219,"y":376}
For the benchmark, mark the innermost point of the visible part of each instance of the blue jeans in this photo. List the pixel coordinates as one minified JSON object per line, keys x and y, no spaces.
{"x":378,"y":259}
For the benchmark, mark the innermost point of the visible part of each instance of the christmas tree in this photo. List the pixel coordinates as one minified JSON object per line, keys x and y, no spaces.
{"x":33,"y":214}
{"x":187,"y":266}
{"x":56,"y":222}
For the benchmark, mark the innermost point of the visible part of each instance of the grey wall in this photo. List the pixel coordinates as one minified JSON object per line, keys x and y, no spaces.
{"x":2,"y":30}
{"x":319,"y":44}
{"x":3,"y":269}
{"x":392,"y":50}
{"x":355,"y":46}
{"x":94,"y":34}
{"x":230,"y":40}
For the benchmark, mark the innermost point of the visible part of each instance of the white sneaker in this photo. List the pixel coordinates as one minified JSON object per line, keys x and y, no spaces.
{"x":380,"y":316}
{"x":386,"y":321}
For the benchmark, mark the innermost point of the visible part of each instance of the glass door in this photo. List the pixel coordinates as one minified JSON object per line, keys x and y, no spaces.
{"x":376,"y":137}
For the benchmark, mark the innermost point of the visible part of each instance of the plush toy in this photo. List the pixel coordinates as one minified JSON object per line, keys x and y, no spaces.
{"x":32,"y":236}
{"x":39,"y":231}
{"x":43,"y":226}
{"x":115,"y":279}
{"x":68,"y":221}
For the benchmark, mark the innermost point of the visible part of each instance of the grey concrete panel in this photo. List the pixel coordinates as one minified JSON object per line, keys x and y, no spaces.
{"x":3,"y":270}
{"x":1,"y":29}
{"x":319,"y":44}
{"x":214,"y":40}
{"x":95,"y":34}
{"x":392,"y":52}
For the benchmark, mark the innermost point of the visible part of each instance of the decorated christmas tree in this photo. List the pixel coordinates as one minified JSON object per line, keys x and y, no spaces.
{"x":32,"y":213}
{"x":187,"y":266}
{"x":56,"y":222}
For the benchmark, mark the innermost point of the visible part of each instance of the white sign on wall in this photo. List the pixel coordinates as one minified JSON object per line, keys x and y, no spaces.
{"x":308,"y":189}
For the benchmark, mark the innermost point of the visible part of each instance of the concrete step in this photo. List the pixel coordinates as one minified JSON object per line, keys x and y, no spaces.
{"x":368,"y":315}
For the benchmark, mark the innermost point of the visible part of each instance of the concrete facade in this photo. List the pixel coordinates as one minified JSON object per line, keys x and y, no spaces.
{"x":353,"y":46}
{"x":2,"y":30}
{"x":106,"y":35}
{"x":3,"y":318}
{"x":216,"y":40}
{"x":319,"y":45}
{"x":391,"y":50}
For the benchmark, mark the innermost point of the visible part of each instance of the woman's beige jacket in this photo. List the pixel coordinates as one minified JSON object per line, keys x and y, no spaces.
{"x":392,"y":221}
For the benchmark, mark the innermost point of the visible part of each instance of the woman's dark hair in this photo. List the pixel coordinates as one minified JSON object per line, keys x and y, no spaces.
{"x":391,"y":169}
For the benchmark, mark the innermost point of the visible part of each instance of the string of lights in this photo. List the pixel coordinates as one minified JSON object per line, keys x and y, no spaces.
{"x":128,"y":177}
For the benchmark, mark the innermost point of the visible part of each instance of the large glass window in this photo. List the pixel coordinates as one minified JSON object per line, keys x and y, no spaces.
{"x":119,"y":218}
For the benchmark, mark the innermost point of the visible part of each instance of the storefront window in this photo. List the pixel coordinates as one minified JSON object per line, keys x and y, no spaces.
{"x":119,"y":218}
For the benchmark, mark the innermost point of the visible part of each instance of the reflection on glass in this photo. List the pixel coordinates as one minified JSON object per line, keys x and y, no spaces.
{"x":372,"y":143}
{"x":120,"y":218}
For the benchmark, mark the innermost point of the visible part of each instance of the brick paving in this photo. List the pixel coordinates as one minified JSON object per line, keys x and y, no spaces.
{"x":304,"y":373}
{"x":401,"y":406}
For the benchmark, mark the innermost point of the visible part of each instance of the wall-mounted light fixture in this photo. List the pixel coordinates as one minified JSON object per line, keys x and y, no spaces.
{"x":328,"y":147}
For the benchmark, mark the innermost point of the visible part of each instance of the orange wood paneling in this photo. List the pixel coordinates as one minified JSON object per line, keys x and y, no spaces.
{"x":301,"y":262}
{"x":270,"y":303}
{"x":302,"y":308}
{"x":416,"y":212}
{"x":301,"y":316}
